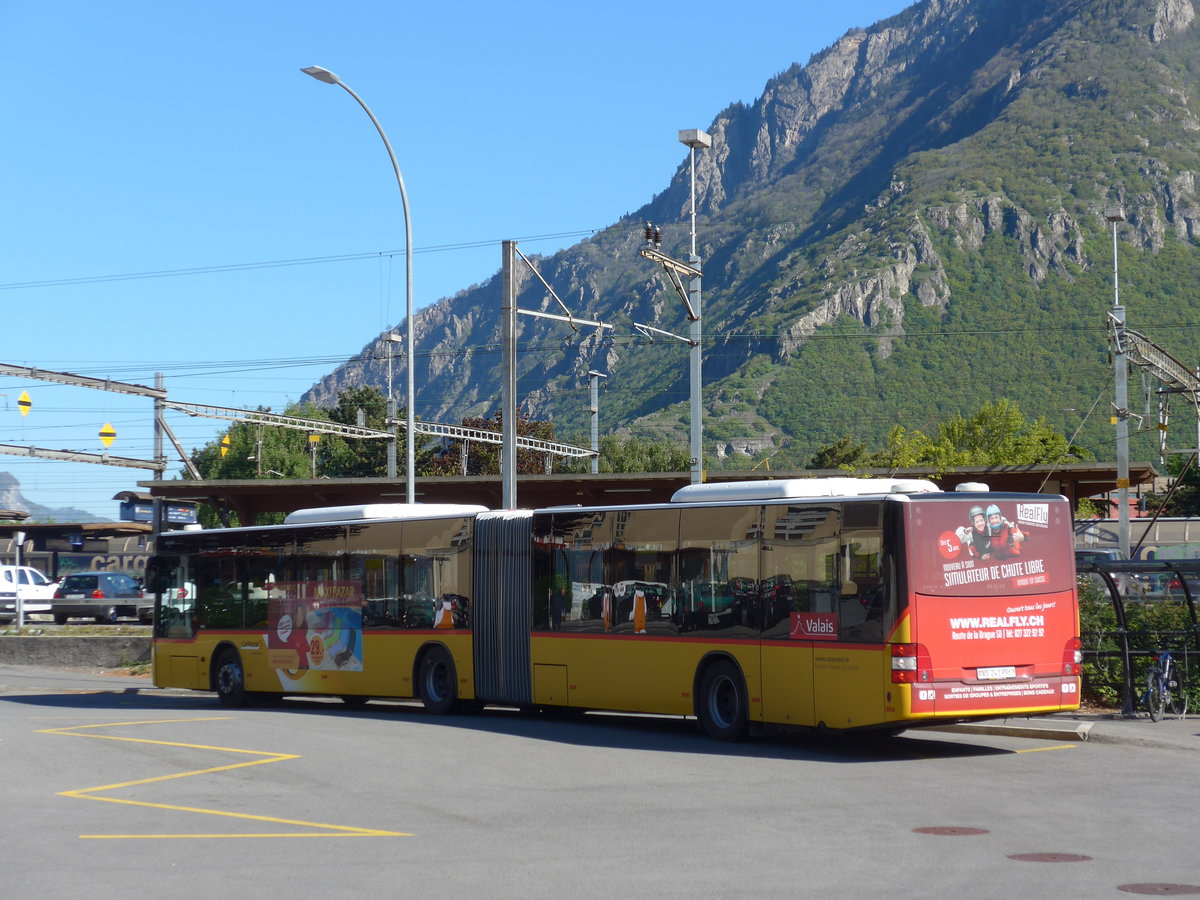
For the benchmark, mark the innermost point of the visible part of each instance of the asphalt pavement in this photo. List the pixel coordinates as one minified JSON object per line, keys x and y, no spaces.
{"x":1172,"y":732}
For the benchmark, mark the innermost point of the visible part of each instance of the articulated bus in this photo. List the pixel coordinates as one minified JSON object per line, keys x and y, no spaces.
{"x":843,"y":604}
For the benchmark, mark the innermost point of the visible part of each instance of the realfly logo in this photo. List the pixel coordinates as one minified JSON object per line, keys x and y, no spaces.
{"x":999,"y":622}
{"x":809,"y":626}
{"x":1033,"y":513}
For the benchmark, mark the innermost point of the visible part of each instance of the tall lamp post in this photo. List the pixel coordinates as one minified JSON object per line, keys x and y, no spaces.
{"x":695,"y":140}
{"x":410,"y":457}
{"x":1116,"y":215}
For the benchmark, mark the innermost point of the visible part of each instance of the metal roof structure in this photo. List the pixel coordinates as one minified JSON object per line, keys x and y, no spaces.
{"x":250,"y":497}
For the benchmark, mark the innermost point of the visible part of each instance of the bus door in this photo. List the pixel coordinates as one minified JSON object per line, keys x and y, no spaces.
{"x":850,"y":669}
{"x":798,"y":588}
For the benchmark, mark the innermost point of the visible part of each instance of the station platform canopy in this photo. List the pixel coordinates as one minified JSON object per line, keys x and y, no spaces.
{"x":248,"y":498}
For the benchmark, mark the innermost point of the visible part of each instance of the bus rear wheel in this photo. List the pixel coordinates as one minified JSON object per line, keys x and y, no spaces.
{"x":723,"y":707}
{"x":437,"y":682}
{"x":230,"y":679}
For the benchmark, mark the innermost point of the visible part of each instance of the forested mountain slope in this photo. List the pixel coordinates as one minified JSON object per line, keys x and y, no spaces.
{"x":906,"y":227}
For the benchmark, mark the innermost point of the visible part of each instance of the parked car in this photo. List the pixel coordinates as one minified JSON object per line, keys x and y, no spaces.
{"x":8,"y":604}
{"x":34,"y":589}
{"x":1124,"y":581}
{"x":1132,"y":585}
{"x":103,"y":596}
{"x":173,"y":597}
{"x":1098,"y":554}
{"x":1173,"y":586}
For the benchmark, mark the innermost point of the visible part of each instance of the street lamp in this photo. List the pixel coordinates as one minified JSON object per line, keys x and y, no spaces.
{"x":1116,"y":215}
{"x":694,"y":139}
{"x":410,"y":458}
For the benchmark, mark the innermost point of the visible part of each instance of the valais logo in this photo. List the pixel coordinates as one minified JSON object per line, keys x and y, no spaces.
{"x":810,"y":626}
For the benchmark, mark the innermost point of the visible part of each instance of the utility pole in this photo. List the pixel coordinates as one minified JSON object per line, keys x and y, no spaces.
{"x":390,"y":414}
{"x":1116,"y":215}
{"x":508,"y":451}
{"x":509,"y":313}
{"x":594,"y":410}
{"x":694,"y":140}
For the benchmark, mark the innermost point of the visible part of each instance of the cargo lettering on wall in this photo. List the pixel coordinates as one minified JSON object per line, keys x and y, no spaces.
{"x":68,"y":563}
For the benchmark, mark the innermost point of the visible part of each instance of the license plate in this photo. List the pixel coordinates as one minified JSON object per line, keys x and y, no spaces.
{"x":995,"y":672}
{"x":73,"y":596}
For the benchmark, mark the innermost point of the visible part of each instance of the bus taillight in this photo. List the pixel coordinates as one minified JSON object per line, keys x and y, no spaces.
{"x":910,"y":664}
{"x":1072,"y":657}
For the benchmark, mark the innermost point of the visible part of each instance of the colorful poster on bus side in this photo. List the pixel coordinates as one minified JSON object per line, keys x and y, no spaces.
{"x":315,"y":625}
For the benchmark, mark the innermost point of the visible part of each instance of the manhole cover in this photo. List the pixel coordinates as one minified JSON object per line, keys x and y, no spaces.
{"x":1049,"y":857}
{"x":1161,"y":890}
{"x":951,"y":830}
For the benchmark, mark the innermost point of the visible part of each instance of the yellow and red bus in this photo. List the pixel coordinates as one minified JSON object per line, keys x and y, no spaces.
{"x":840,"y":604}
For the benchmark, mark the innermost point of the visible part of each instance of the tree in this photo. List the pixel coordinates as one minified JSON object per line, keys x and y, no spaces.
{"x":997,"y":435}
{"x":1184,"y":497}
{"x":633,"y":454}
{"x":844,"y":453}
{"x":260,"y":451}
{"x":457,"y":457}
{"x":366,"y":458}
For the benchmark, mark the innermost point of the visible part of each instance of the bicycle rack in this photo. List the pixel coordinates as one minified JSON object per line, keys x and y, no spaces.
{"x":1181,"y":570}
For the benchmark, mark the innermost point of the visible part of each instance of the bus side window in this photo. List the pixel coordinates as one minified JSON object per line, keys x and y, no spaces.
{"x":169,"y":580}
{"x":861,"y":604}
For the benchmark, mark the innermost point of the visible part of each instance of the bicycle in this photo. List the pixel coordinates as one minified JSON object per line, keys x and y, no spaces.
{"x":1164,"y":687}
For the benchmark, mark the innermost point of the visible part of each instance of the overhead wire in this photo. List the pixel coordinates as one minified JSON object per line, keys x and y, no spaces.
{"x":279,"y":263}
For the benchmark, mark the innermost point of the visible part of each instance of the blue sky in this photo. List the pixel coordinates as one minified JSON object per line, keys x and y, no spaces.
{"x":167,"y":166}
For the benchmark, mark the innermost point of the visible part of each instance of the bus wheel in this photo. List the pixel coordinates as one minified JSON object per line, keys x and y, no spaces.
{"x":722,"y":708}
{"x":230,"y":679}
{"x":437,"y":682}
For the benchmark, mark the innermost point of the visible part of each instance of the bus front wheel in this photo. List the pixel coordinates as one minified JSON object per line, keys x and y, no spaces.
{"x":230,"y":679}
{"x":437,"y":682}
{"x":723,"y":707}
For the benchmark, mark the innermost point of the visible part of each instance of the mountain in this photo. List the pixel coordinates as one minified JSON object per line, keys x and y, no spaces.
{"x":11,"y":498}
{"x":906,"y":227}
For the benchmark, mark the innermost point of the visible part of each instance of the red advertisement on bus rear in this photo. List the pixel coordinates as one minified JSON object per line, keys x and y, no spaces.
{"x":988,"y":546}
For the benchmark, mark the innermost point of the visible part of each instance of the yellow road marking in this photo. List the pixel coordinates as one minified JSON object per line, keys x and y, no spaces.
{"x":326,"y":830}
{"x":1040,"y":749}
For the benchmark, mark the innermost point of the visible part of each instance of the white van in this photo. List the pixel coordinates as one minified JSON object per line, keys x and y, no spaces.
{"x":34,"y":589}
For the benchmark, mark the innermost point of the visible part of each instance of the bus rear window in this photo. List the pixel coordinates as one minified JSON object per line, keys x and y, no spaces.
{"x":987,"y":545}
